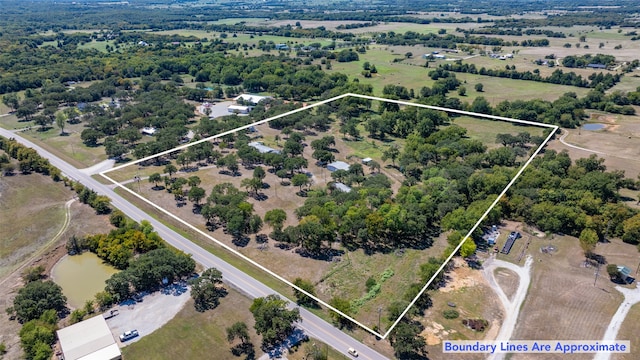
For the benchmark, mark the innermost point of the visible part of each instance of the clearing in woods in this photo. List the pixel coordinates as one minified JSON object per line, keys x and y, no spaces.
{"x":287,"y":267}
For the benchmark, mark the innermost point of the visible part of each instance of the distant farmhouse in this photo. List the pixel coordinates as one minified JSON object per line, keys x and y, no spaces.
{"x":282,"y":47}
{"x":245,"y":103}
{"x":251,"y":99}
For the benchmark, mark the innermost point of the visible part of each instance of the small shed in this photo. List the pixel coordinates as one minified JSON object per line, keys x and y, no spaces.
{"x":366,"y":160}
{"x":148,"y":130}
{"x":625,"y":274}
{"x":342,"y":187}
{"x":338,"y":165}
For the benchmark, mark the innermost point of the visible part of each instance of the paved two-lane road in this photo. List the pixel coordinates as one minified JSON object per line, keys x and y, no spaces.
{"x":311,"y":324}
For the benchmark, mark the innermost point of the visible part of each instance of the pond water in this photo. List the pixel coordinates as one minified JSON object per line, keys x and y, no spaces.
{"x":81,"y":277}
{"x":593,"y":126}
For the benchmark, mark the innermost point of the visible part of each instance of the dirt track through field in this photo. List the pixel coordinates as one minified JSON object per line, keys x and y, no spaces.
{"x":631,"y":297}
{"x":512,"y":308}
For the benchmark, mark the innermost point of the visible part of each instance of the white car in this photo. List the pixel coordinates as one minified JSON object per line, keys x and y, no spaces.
{"x":352,"y":352}
{"x":128,"y":335}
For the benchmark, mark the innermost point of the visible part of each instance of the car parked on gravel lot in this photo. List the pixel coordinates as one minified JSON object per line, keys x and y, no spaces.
{"x":128,"y":335}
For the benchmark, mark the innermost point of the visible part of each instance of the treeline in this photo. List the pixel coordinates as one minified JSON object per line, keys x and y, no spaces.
{"x":492,"y":30}
{"x":450,"y":41}
{"x":357,"y":25}
{"x":600,"y":80}
{"x":603,"y":18}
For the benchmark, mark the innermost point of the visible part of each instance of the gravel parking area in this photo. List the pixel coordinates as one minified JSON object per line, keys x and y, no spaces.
{"x":150,"y":314}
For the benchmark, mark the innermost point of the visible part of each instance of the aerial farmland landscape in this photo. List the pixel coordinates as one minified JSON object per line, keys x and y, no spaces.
{"x":319,"y":180}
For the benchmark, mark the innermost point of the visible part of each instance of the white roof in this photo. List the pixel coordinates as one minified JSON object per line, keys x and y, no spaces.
{"x":366,"y":160}
{"x":148,"y":130}
{"x":339,"y":165}
{"x":342,"y":187}
{"x":239,"y":107}
{"x":88,"y":340}
{"x":263,"y":149}
{"x":252,"y":98}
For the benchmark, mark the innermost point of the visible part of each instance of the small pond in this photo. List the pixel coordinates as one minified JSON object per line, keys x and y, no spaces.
{"x":593,"y":126}
{"x":81,"y":277}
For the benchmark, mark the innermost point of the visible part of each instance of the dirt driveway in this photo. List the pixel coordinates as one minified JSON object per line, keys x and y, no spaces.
{"x":155,"y":310}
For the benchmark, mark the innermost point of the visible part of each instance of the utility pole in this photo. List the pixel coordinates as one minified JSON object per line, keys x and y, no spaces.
{"x":597,"y":271}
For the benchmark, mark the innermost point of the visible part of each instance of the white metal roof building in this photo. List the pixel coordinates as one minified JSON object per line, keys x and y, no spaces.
{"x":89,"y":340}
{"x":338,"y":165}
{"x":254,"y":99}
{"x":240,"y":109}
{"x":342,"y":187}
{"x":263,"y":149}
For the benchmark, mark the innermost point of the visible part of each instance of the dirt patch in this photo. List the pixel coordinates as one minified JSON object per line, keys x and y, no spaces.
{"x":508,"y":281}
{"x":473,"y":298}
{"x":461,"y":277}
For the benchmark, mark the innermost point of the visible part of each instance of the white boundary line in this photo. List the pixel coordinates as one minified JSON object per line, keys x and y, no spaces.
{"x":251,"y":261}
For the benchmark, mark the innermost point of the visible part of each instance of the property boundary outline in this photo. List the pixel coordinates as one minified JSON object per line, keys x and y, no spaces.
{"x":305,"y":108}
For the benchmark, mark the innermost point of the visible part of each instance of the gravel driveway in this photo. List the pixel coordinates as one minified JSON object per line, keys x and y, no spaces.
{"x":155,"y":310}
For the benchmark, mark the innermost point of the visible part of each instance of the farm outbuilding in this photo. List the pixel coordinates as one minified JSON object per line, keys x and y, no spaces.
{"x":338,"y":165}
{"x":263,"y":149}
{"x":239,"y":109}
{"x":342,"y":187}
{"x":88,"y":340}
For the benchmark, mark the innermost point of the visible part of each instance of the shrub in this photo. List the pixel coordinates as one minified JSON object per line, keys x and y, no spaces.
{"x":450,"y":314}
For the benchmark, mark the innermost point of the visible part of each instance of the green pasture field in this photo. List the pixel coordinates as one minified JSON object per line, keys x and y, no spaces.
{"x":31,"y":213}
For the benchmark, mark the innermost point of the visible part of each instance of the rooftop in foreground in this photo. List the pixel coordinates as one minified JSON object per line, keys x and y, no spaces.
{"x":88,"y":340}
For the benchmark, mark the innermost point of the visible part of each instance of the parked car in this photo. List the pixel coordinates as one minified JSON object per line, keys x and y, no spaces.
{"x":128,"y":335}
{"x":352,"y":352}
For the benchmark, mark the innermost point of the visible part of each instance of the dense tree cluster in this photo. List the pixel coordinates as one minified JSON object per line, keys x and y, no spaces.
{"x":148,"y":272}
{"x":119,"y":246}
{"x":581,"y":61}
{"x":35,"y":298}
{"x":207,"y":289}
{"x":273,"y":320}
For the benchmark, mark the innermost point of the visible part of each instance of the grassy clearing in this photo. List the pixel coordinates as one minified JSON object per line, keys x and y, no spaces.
{"x":562,"y":288}
{"x":629,"y":82}
{"x":12,"y":122}
{"x":98,"y":45}
{"x":31,"y":213}
{"x":69,"y":147}
{"x":193,"y":335}
{"x":496,"y":89}
{"x":485,"y":130}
